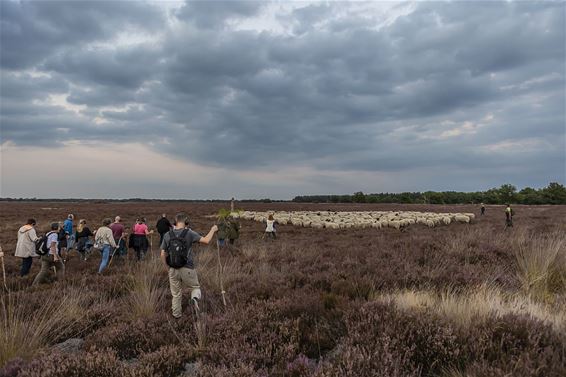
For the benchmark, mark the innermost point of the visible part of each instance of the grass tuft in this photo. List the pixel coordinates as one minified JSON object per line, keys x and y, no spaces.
{"x":541,"y":263}
{"x":26,"y":329}
{"x":473,"y":305}
{"x":147,"y":289}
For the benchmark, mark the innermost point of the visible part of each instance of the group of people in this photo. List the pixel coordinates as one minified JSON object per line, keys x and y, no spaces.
{"x":508,"y":214}
{"x":63,"y":237}
{"x":110,"y":239}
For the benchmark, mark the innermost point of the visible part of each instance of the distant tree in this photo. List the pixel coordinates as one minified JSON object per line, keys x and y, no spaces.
{"x":529,"y":195}
{"x":507,"y":193}
{"x":554,"y":193}
{"x":359,"y":197}
{"x":372,"y":199}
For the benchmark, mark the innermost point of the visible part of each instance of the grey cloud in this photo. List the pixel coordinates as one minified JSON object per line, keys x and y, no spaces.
{"x":34,"y":30}
{"x":213,"y":14}
{"x":341,"y":97}
{"x":124,"y":68}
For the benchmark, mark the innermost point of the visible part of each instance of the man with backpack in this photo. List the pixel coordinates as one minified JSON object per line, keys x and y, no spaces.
{"x":47,"y":248}
{"x":177,"y":256}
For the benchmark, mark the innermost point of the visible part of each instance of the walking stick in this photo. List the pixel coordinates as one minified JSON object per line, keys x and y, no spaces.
{"x":3,"y":269}
{"x":114,"y":251}
{"x":220,"y":274}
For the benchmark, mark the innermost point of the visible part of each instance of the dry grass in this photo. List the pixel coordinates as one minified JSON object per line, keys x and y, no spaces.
{"x":147,"y":288}
{"x":25,"y":330}
{"x":541,"y":263}
{"x":475,"y":305}
{"x":463,"y":242}
{"x":452,"y":372}
{"x":232,"y":268}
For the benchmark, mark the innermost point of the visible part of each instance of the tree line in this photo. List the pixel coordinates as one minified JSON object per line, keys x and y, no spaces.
{"x":554,"y":193}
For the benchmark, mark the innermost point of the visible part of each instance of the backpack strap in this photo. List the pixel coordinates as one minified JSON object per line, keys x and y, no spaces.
{"x":171,"y":234}
{"x":184,"y":233}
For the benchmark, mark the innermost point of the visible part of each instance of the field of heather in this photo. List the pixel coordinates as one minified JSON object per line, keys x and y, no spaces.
{"x":464,"y":300}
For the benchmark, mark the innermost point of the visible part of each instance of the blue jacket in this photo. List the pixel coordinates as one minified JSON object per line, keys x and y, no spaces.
{"x":68,"y":226}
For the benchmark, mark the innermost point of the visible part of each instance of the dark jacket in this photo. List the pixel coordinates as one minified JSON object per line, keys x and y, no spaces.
{"x":234,"y":232}
{"x":163,"y":225}
{"x":83,"y":233}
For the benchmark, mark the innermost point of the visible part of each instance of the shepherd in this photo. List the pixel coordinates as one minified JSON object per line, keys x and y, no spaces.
{"x":508,"y":217}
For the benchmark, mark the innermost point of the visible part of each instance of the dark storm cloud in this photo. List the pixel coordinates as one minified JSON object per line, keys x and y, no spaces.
{"x":34,"y":30}
{"x":461,"y":85}
{"x":125,"y":68}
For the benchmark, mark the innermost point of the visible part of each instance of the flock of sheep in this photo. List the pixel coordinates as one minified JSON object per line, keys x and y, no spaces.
{"x":365,"y":219}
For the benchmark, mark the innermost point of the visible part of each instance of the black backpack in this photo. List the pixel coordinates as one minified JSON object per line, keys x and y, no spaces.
{"x":41,"y":246}
{"x":178,"y":250}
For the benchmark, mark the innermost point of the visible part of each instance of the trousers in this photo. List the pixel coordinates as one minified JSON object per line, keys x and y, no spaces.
{"x":180,"y":278}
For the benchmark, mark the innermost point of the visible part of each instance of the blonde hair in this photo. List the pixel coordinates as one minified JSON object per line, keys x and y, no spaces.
{"x":81,"y":225}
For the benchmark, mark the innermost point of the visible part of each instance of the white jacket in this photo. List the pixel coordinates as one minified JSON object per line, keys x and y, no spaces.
{"x":26,"y":242}
{"x":104,"y":236}
{"x":270,"y":226}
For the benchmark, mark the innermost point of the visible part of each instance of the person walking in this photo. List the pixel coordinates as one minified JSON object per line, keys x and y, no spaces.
{"x":270,"y":228}
{"x":83,"y":235}
{"x":140,"y":233}
{"x":62,"y":238}
{"x":118,"y":233}
{"x":233,"y":229}
{"x":223,"y":229}
{"x":508,"y":217}
{"x":51,"y":259}
{"x":68,"y":227}
{"x":25,"y":247}
{"x":482,"y":209}
{"x":177,"y":258}
{"x":163,"y":226}
{"x":104,"y":241}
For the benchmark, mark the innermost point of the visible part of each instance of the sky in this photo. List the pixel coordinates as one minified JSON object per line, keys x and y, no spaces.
{"x":249,"y":99}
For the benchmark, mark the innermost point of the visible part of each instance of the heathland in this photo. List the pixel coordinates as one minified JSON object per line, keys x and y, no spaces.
{"x":460,"y":300}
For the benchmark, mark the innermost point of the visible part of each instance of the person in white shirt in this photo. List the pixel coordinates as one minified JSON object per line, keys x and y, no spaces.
{"x":25,"y":248}
{"x":270,"y":228}
{"x":104,"y":241}
{"x":51,"y":259}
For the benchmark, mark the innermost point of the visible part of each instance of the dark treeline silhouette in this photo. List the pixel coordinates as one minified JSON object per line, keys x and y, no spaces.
{"x":554,"y":193}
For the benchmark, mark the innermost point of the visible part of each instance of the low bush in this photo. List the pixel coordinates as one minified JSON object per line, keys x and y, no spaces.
{"x":383,"y":341}
{"x":92,"y":364}
{"x":166,"y":361}
{"x":519,"y":346}
{"x":131,"y":338}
